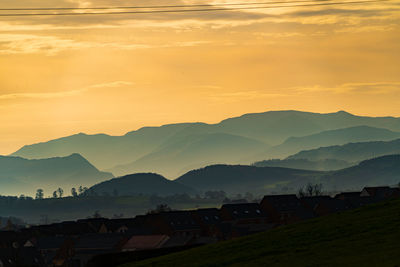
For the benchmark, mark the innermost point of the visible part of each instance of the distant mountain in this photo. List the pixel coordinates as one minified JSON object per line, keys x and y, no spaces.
{"x":183,"y":153}
{"x":332,"y":137}
{"x":23,"y":176}
{"x":305,"y":164}
{"x":141,"y":183}
{"x":353,"y":152}
{"x":260,"y":180}
{"x":144,"y":145}
{"x":374,"y":172}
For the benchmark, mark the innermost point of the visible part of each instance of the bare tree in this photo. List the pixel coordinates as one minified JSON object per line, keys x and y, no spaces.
{"x":310,"y":190}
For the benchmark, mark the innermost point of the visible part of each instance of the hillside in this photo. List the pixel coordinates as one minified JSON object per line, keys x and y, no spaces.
{"x":183,"y":153}
{"x":363,"y":237}
{"x":141,"y":184}
{"x":333,"y":137}
{"x":353,"y":152}
{"x":263,"y":180}
{"x":305,"y":164}
{"x":146,"y":144}
{"x":23,"y":176}
{"x":241,"y":179}
{"x":374,"y":172}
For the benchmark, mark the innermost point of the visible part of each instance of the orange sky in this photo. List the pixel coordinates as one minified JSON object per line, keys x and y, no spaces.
{"x":113,"y":74}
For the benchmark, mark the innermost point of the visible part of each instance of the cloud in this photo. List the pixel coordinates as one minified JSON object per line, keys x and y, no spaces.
{"x":49,"y":95}
{"x":351,"y":88}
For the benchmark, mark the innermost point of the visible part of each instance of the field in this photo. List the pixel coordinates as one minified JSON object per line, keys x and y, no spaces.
{"x":369,"y":236}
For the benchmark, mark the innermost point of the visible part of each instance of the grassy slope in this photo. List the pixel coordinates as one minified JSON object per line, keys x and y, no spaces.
{"x":365,"y":237}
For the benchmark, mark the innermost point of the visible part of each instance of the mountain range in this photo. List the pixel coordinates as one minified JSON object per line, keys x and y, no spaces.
{"x":172,"y":150}
{"x":23,"y":176}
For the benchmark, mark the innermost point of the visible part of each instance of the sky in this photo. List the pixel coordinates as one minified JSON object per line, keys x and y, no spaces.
{"x":61,"y":75}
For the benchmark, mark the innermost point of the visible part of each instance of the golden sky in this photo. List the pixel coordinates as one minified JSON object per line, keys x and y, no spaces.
{"x":112,"y":74}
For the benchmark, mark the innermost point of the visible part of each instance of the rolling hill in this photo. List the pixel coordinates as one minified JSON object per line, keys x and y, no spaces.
{"x":23,"y":176}
{"x":141,"y":184}
{"x":353,"y":152}
{"x":262,"y":180}
{"x":362,"y":237}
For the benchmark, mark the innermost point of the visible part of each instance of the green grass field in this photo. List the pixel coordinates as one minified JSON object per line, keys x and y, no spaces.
{"x":364,"y":237}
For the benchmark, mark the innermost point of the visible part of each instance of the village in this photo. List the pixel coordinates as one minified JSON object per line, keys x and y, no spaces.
{"x":110,"y":242}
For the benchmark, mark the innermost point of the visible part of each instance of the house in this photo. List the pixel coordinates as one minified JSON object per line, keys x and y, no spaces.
{"x":380,"y":192}
{"x":243,"y":213}
{"x":285,"y":209}
{"x":208,"y":219}
{"x":87,"y":246}
{"x":347,"y":195}
{"x":358,"y":202}
{"x":173,"y":223}
{"x":329,"y":206}
{"x":311,"y":202}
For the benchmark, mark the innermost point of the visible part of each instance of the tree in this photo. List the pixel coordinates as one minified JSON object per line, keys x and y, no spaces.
{"x":73,"y":192}
{"x":39,"y":194}
{"x":310,"y":190}
{"x":160,"y":208}
{"x":60,"y":192}
{"x":80,"y":190}
{"x":55,"y":194}
{"x":97,"y":214}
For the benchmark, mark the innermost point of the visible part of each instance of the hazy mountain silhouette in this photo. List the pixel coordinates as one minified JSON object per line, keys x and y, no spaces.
{"x":353,"y":152}
{"x":146,"y":148}
{"x":305,"y":164}
{"x":239,"y":179}
{"x":328,"y":138}
{"x":23,"y":176}
{"x":374,"y":172}
{"x":141,"y":183}
{"x":182,"y":153}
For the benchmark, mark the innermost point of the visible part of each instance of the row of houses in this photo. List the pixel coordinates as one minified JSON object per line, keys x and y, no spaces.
{"x":77,"y":243}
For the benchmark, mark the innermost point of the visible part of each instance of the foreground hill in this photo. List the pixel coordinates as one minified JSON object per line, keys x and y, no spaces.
{"x":23,"y":176}
{"x":332,"y":137}
{"x":138,"y":150}
{"x":353,"y":152}
{"x":364,"y":237}
{"x":263,"y":180}
{"x":183,"y":153}
{"x":141,"y":184}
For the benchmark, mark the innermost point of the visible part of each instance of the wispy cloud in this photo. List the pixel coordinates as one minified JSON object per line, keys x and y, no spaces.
{"x":48,"y":95}
{"x":351,"y":88}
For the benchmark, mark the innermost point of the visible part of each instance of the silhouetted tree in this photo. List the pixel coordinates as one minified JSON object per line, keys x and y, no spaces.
{"x":39,"y":194}
{"x":73,"y":192}
{"x":97,"y":214}
{"x":311,"y":190}
{"x":80,"y":190}
{"x":60,"y":192}
{"x":55,"y":194}
{"x":160,"y":208}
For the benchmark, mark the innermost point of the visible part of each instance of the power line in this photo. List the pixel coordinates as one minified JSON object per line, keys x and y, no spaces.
{"x":156,"y":6}
{"x":188,"y":10}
